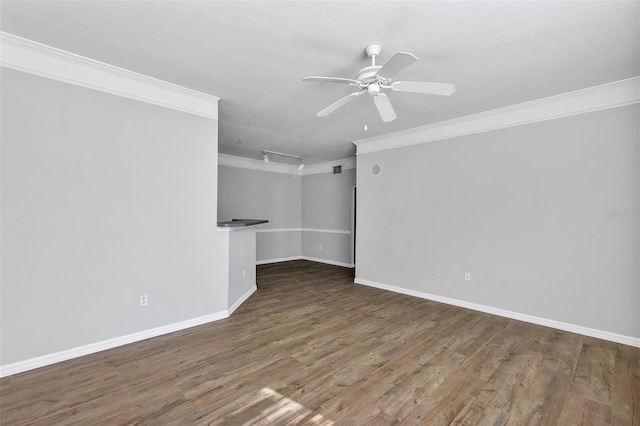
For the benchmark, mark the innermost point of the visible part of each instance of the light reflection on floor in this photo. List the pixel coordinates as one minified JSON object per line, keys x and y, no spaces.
{"x":284,"y":410}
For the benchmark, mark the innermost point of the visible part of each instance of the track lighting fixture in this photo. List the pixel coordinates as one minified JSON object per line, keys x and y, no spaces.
{"x":265,"y":156}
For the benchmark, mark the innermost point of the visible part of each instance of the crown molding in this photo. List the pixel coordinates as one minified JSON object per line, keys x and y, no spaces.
{"x":253,"y":164}
{"x":327,"y":166}
{"x":605,"y":96}
{"x":45,"y":61}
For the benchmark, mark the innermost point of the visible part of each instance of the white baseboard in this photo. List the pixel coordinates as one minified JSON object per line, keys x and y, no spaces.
{"x":240,"y":301}
{"x":44,"y":360}
{"x":578,"y":329}
{"x":277,"y":260}
{"x":325,"y":231}
{"x":312,"y":259}
{"x":41,"y":361}
{"x":329,"y":262}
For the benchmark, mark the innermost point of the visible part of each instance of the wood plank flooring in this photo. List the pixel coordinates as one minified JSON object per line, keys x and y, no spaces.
{"x":310,"y":347}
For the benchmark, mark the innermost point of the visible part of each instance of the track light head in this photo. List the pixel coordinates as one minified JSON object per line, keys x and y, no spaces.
{"x":265,"y":157}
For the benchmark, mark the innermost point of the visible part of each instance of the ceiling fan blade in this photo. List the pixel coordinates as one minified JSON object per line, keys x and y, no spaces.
{"x":396,"y":64}
{"x":384,"y":107}
{"x":443,"y":89}
{"x":331,"y":80}
{"x":340,"y":102}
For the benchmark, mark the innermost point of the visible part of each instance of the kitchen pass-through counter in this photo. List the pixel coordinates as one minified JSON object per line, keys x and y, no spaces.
{"x":240,"y":237}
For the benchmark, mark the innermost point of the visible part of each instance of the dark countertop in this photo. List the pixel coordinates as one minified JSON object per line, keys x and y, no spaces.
{"x":236,"y":223}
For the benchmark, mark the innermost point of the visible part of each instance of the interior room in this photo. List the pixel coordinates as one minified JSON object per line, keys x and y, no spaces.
{"x":350,"y":212}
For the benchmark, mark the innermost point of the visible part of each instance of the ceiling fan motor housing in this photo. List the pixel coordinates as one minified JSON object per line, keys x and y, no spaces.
{"x":367,"y":75}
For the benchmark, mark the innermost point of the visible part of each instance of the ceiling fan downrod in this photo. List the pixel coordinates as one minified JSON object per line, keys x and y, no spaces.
{"x":372,"y":51}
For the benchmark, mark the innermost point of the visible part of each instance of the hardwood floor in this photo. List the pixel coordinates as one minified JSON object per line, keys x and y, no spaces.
{"x":311,"y":347}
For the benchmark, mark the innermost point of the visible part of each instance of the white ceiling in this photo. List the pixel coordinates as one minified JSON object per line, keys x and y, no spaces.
{"x":253,"y":55}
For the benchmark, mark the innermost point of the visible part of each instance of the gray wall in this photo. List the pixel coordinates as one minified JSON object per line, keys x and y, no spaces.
{"x":103,"y":199}
{"x":318,"y":201}
{"x":327,"y":205}
{"x":253,"y":194}
{"x":242,"y":263}
{"x":523,"y":209}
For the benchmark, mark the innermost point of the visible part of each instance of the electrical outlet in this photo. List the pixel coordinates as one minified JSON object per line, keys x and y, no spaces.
{"x":438,"y":272}
{"x":143,"y":300}
{"x":467,"y":276}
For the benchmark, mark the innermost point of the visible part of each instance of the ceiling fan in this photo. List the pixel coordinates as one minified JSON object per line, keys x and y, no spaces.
{"x":374,"y":78}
